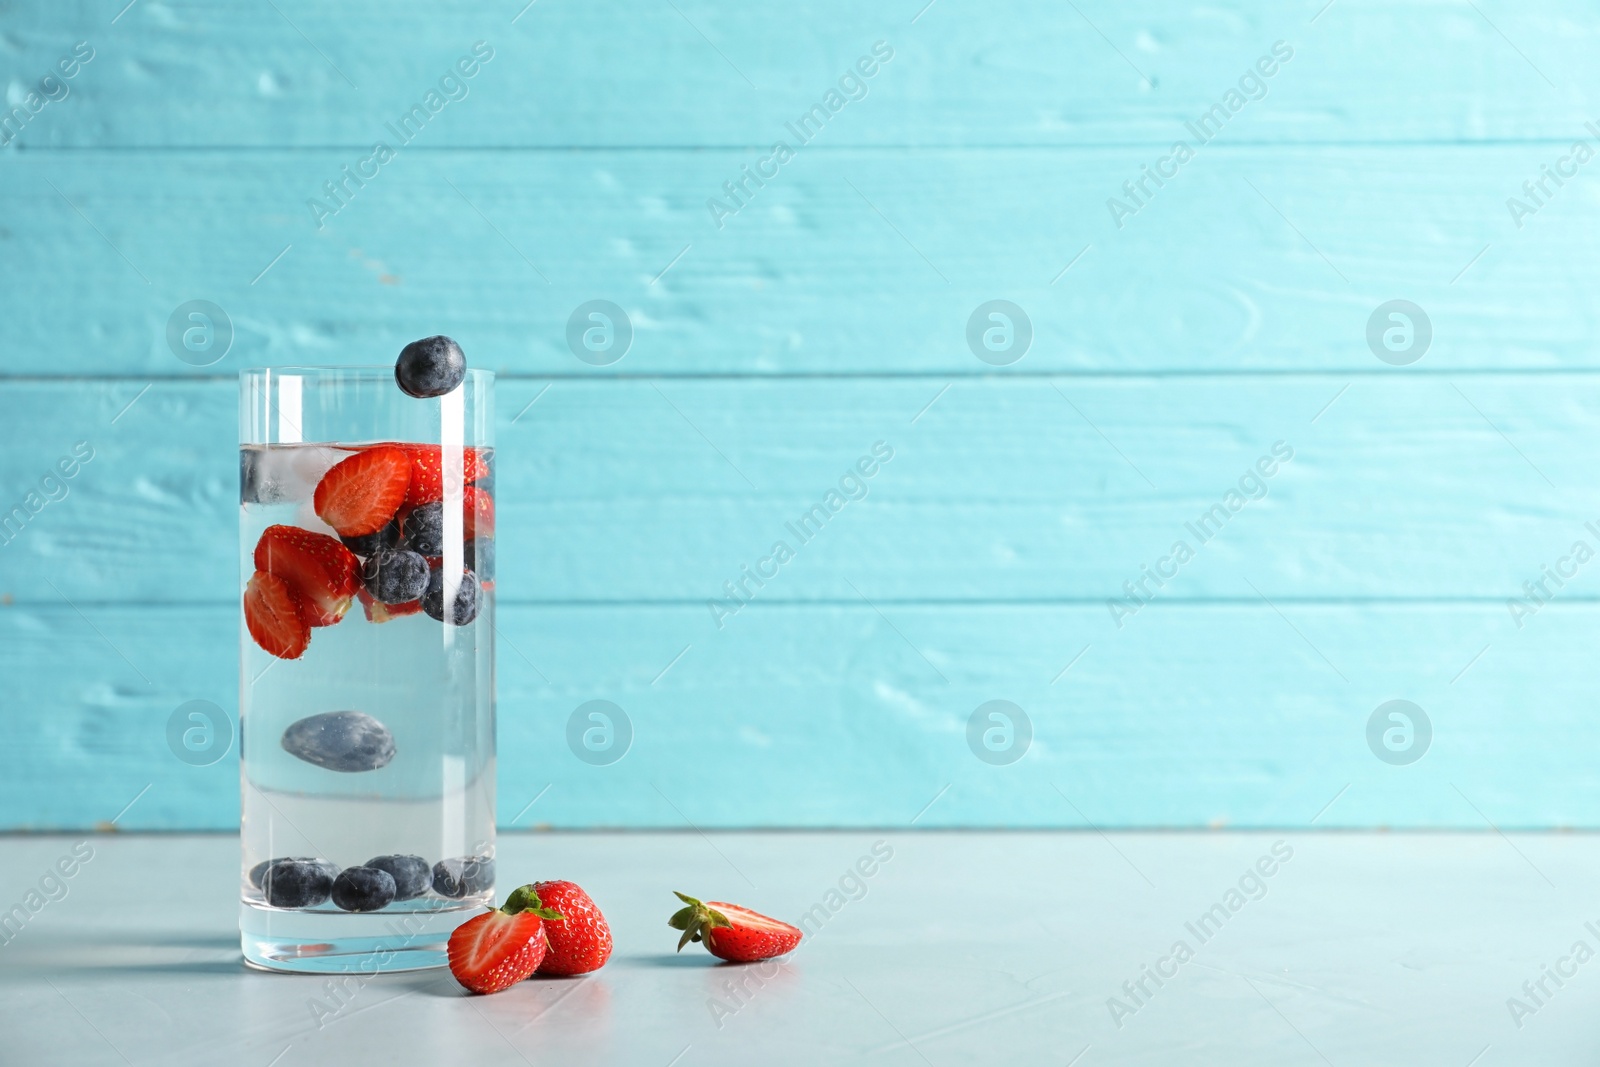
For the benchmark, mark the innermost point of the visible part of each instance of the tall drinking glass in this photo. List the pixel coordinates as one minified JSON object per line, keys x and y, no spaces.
{"x":367,"y":733}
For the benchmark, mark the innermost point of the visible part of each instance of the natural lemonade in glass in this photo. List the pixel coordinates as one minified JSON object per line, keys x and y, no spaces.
{"x":367,"y":665}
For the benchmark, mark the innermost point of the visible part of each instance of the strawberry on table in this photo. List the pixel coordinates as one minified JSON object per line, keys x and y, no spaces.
{"x":580,"y":942}
{"x":730,"y":932}
{"x":321,"y":571}
{"x":273,"y":615}
{"x":361,"y":493}
{"x":499,"y":949}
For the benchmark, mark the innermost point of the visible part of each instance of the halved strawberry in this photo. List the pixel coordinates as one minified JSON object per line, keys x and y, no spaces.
{"x":427,"y":472}
{"x":362,"y":492}
{"x":273,"y":615}
{"x":323,"y":572}
{"x":378,"y":611}
{"x":731,"y":932}
{"x":497,"y":950}
{"x":477,"y":510}
{"x":580,"y":941}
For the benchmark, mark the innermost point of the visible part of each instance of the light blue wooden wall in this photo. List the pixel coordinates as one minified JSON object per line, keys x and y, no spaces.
{"x":1228,"y":314}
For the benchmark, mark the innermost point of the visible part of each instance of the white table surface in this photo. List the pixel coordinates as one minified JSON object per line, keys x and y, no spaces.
{"x":965,"y":948}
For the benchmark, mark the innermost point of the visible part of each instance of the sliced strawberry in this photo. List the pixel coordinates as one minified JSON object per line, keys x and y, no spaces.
{"x":580,"y":941}
{"x":496,"y":951}
{"x":321,"y":571}
{"x":731,"y":932}
{"x":477,"y":508}
{"x":427,"y":471}
{"x":362,"y":492}
{"x":378,"y":611}
{"x":273,"y":615}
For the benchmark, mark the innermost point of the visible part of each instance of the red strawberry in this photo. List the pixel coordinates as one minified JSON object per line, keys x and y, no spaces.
{"x":477,"y":508}
{"x":731,"y":932}
{"x":378,"y":611}
{"x":323,"y":572}
{"x":361,"y":493}
{"x":580,"y":942}
{"x":427,"y":472}
{"x":497,"y":950}
{"x":273,"y":615}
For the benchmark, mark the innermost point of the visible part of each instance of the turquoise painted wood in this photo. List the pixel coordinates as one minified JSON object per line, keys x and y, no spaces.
{"x":1178,"y":335}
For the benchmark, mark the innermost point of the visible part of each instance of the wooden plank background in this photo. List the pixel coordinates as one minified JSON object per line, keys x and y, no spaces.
{"x":1170,"y":353}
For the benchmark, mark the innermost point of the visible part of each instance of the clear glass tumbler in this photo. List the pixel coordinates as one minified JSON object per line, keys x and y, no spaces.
{"x":367,"y":727}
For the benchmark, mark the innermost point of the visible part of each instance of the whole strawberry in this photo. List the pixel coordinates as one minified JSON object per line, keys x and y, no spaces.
{"x":730,"y":932}
{"x":499,"y":949}
{"x":580,"y":941}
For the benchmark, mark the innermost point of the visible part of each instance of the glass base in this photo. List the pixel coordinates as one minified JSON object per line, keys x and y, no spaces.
{"x":326,"y":942}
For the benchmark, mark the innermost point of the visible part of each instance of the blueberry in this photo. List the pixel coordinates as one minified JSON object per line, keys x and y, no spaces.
{"x":479,"y":558}
{"x":464,"y":876}
{"x":373,"y":543}
{"x":395,"y":576}
{"x":347,"y":741}
{"x":432,"y":366}
{"x":425,"y":529}
{"x":259,"y":870}
{"x":411,"y":874}
{"x":463,"y":609}
{"x":297,"y":883}
{"x":363,"y":889}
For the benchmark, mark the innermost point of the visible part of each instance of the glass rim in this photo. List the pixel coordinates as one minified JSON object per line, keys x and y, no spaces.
{"x":372,"y":370}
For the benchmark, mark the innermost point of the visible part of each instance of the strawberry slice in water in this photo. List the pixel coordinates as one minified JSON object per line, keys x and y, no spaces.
{"x":274,"y":617}
{"x":361,"y":493}
{"x":323,"y":573}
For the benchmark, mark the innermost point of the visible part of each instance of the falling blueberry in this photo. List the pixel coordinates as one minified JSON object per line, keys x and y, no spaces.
{"x":347,"y":741}
{"x":412,"y":875}
{"x":296,"y":883}
{"x":432,"y":366}
{"x":464,"y":876}
{"x":479,"y":558}
{"x":363,"y":889}
{"x":373,"y":543}
{"x":463,"y":607}
{"x":395,"y":576}
{"x":425,"y":529}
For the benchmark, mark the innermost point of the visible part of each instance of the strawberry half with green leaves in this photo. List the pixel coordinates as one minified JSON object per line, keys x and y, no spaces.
{"x":322,"y":572}
{"x":496,"y":951}
{"x":580,"y":942}
{"x":274,"y":616}
{"x":732,"y":933}
{"x":427,"y":472}
{"x":361,"y":493}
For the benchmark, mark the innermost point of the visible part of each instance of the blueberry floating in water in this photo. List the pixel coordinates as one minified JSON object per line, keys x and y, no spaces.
{"x":479,"y":557}
{"x":412,"y":875}
{"x":346,"y":741}
{"x":395,"y":576}
{"x":463,"y":607}
{"x":297,"y":883}
{"x":425,"y":529}
{"x":464,"y":876}
{"x":432,"y":366}
{"x":373,"y":543}
{"x":363,"y":889}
